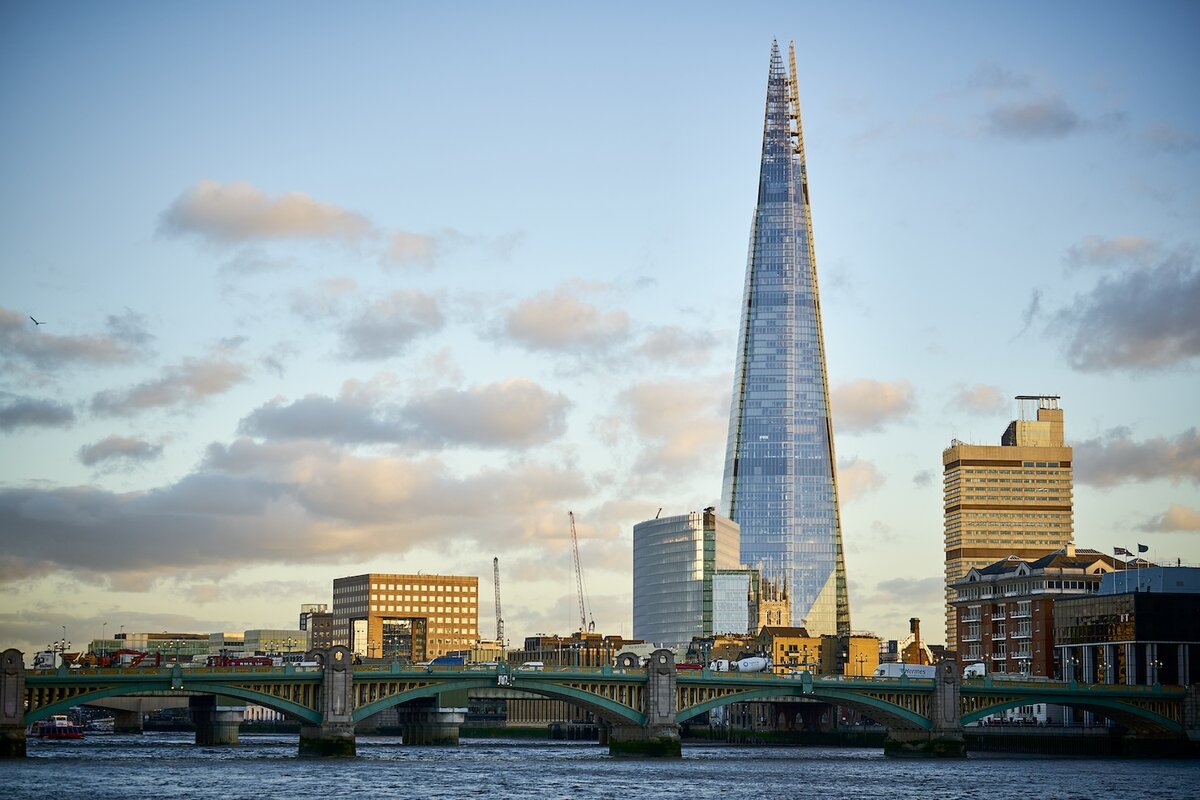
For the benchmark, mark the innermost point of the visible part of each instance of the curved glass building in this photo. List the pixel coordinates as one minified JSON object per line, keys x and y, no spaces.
{"x":780,"y":482}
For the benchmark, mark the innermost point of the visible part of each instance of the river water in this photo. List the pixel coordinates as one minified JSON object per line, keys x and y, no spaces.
{"x":156,"y":765}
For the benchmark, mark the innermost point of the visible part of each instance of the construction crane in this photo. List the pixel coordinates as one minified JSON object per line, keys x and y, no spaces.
{"x":499,"y":616}
{"x":584,"y":623}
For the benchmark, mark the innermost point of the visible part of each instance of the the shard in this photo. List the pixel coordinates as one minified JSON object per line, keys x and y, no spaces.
{"x":780,"y":481}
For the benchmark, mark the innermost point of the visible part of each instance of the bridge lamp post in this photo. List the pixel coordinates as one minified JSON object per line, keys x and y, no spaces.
{"x":1155,"y":666}
{"x":861,"y":660}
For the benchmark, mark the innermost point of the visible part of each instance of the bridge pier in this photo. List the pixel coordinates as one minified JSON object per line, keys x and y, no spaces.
{"x":12,"y":704}
{"x":333,"y":737}
{"x":425,"y":723}
{"x":215,"y":725}
{"x":658,"y":737}
{"x":128,"y":721}
{"x":944,"y":739}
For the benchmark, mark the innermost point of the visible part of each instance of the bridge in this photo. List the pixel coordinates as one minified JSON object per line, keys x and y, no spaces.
{"x":641,"y":707}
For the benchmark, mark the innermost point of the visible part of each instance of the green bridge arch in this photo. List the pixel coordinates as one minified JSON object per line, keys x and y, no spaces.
{"x":888,"y":711}
{"x":164,"y":688}
{"x":1122,"y":712}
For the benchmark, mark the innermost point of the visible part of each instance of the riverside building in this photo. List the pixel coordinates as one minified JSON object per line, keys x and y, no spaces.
{"x":674,"y":562}
{"x":780,"y":483}
{"x":1015,"y":498}
{"x":405,"y":617}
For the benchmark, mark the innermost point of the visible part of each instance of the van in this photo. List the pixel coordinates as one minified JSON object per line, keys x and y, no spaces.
{"x":534,"y":665}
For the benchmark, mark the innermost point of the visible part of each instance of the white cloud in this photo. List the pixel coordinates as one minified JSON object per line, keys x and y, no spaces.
{"x":868,"y":405}
{"x":240,"y":211}
{"x":1117,"y":458}
{"x":386,"y":327}
{"x":980,"y":399}
{"x":1175,"y":518}
{"x":17,"y":411}
{"x":856,"y":479}
{"x":191,"y":381}
{"x":562,"y":321}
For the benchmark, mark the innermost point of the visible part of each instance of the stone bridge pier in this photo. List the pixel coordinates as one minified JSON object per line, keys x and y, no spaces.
{"x":334,"y":735}
{"x":12,"y":704}
{"x":215,"y":724}
{"x":659,"y":736}
{"x":945,"y":736}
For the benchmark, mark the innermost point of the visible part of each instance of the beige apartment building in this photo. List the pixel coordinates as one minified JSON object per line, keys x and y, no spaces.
{"x":406,"y":617}
{"x":1015,"y":499}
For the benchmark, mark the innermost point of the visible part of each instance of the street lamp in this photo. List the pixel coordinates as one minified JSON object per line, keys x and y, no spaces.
{"x":1155,"y":666}
{"x":861,"y":659}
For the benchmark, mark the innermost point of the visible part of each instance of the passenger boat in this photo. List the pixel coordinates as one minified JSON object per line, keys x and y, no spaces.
{"x":58,"y":726}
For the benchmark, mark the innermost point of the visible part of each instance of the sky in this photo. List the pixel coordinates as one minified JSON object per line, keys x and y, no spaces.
{"x":391,"y":287}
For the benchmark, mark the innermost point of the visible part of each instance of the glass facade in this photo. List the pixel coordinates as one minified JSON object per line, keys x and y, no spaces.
{"x":734,"y":609}
{"x":780,"y":483}
{"x":674,"y":560}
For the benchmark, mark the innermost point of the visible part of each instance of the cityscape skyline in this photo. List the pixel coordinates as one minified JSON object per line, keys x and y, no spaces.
{"x":310,"y":311}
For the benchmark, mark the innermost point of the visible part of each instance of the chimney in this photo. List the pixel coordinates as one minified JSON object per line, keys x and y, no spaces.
{"x":914,"y":627}
{"x":1070,"y":549}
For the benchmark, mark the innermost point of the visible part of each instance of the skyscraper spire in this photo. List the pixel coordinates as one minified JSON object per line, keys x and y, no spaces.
{"x":780,"y":482}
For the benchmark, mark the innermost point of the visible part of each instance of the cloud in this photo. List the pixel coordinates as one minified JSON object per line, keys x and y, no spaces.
{"x":913,"y":590}
{"x":512,"y":413}
{"x":191,"y":381}
{"x":867,"y":405}
{"x":980,"y":399}
{"x":1044,"y":118}
{"x":681,"y":426}
{"x":389,"y":325}
{"x":411,"y":248}
{"x":1119,"y":252}
{"x":253,"y":261}
{"x":1116,"y":458}
{"x":1031,"y":312}
{"x":857,"y":478}
{"x":240,"y":212}
{"x":125,"y":340}
{"x":923,"y":479}
{"x":1163,"y":138}
{"x":119,"y":449}
{"x":324,"y":301}
{"x":676,"y":346}
{"x":562,"y":321}
{"x":1139,"y":319}
{"x":992,"y":77}
{"x":251,"y":503}
{"x":515,"y":413}
{"x":17,"y":411}
{"x":1175,"y":518}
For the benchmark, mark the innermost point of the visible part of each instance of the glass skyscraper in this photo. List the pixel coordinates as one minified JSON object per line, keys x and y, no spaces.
{"x":780,"y":482}
{"x":674,"y":561}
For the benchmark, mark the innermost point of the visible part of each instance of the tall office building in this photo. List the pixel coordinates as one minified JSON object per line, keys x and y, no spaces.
{"x":1014,"y":499}
{"x":674,"y":562}
{"x":405,"y":617}
{"x":780,"y":483}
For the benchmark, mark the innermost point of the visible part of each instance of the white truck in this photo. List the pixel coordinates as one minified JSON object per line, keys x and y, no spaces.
{"x":896,"y":670}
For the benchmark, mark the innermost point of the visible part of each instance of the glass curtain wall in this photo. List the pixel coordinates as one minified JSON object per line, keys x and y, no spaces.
{"x":779,"y":483}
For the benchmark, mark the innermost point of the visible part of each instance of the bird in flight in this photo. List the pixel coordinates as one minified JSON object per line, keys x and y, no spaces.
{"x":35,"y":322}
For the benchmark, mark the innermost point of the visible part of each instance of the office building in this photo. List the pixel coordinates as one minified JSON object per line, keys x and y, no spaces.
{"x":780,"y":483}
{"x":317,"y":619}
{"x":674,"y":561}
{"x":290,"y":644}
{"x":405,"y":617}
{"x":1014,"y":498}
{"x":1005,"y":611}
{"x":1142,"y":626}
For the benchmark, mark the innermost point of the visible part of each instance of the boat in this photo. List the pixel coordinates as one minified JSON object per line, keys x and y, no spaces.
{"x":58,"y":726}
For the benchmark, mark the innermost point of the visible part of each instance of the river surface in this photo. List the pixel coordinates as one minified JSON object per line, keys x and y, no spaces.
{"x":156,"y":765}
